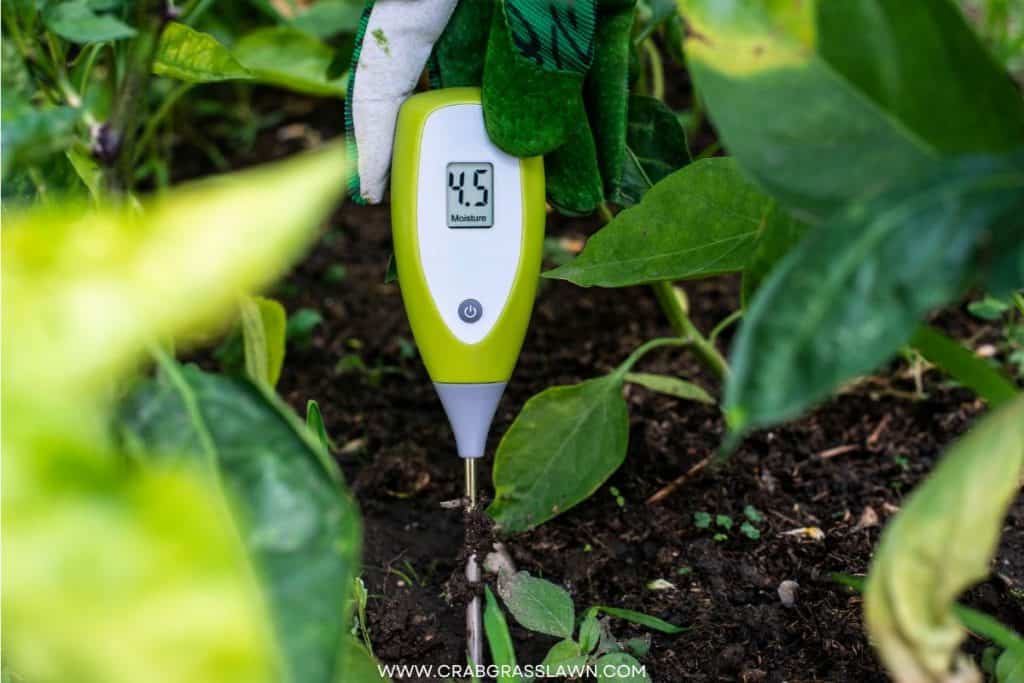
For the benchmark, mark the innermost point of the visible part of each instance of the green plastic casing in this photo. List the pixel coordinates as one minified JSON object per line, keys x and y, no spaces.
{"x":449,"y":360}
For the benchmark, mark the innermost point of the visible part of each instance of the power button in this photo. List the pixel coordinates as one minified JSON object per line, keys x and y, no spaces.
{"x":470,"y":311}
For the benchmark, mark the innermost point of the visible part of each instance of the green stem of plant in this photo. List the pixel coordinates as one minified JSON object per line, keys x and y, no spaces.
{"x":672,"y":305}
{"x":119,"y":132}
{"x":724,"y":323}
{"x":157,"y":118}
{"x":675,"y":310}
{"x":642,"y":350}
{"x":657,"y":69}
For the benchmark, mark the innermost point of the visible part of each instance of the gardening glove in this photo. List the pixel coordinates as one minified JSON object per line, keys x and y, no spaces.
{"x":553,"y":76}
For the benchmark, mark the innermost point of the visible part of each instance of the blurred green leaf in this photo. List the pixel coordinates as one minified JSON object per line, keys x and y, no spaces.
{"x":328,"y":18}
{"x":298,"y":522}
{"x":700,"y":221}
{"x":120,"y":574}
{"x":968,"y":369}
{"x":94,"y":286}
{"x":562,"y":446}
{"x":828,"y":102}
{"x":671,"y":386}
{"x":774,"y":240}
{"x":854,"y":289}
{"x":195,"y":57}
{"x":940,"y":543}
{"x":77,"y":21}
{"x":32,"y":134}
{"x":655,"y":148}
{"x":539,"y":605}
{"x":361,"y":665}
{"x":263,"y":334}
{"x":988,"y":308}
{"x":289,"y":58}
{"x":503,"y":654}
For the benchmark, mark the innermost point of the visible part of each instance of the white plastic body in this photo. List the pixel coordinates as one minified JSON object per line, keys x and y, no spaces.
{"x":467,"y":263}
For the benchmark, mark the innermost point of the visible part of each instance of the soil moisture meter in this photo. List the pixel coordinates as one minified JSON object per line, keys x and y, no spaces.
{"x":468,"y":227}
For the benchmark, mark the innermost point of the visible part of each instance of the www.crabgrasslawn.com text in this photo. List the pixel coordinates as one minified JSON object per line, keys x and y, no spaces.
{"x":397,"y":672}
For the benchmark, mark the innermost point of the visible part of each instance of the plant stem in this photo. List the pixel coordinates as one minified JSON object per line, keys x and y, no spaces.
{"x":642,"y":350}
{"x":114,"y":144}
{"x":657,"y":69}
{"x":157,"y":118}
{"x":672,"y":305}
{"x":674,"y":308}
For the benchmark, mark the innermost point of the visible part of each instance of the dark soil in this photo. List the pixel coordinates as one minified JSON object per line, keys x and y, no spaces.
{"x":844,"y":469}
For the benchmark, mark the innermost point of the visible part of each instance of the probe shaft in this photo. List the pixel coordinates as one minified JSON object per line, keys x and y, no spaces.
{"x":474,"y":621}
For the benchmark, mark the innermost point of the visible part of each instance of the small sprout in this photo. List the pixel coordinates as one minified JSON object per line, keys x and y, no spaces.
{"x":406,"y":349}
{"x":788,"y":592}
{"x":753,"y":514}
{"x":718,"y":538}
{"x":299,"y":329}
{"x":724,"y":521}
{"x":683,"y":571}
{"x":350,"y":362}
{"x":335,"y":274}
{"x":587,"y":548}
{"x":750,"y":531}
{"x":354,"y":343}
{"x":989,"y":308}
{"x":638,"y":647}
{"x":903,"y":462}
{"x":660,"y":585}
{"x":619,"y":499}
{"x":702,"y":520}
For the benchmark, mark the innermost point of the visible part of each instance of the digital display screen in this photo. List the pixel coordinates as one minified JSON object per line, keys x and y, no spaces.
{"x":470,"y":195}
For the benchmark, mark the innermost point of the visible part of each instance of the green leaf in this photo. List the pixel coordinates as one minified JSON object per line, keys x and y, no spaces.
{"x":750,"y":531}
{"x":326,"y":19}
{"x":361,"y":666}
{"x":31,"y":134}
{"x":753,"y":514}
{"x":940,"y":543}
{"x":95,"y":286}
{"x":853,"y":290}
{"x":774,"y":241}
{"x":315,"y":424}
{"x":291,"y":59}
{"x":263,"y":333}
{"x":702,"y":520}
{"x":195,"y":57}
{"x":537,"y":604}
{"x":590,"y":632}
{"x":301,"y":324}
{"x":76,"y":21}
{"x":828,"y":102}
{"x":642,"y":619}
{"x":619,"y":667}
{"x":563,"y":653}
{"x":968,"y":369}
{"x":298,"y":522}
{"x":672,"y":386}
{"x":988,"y":308}
{"x":563,"y":445}
{"x":655,"y":148}
{"x":499,"y":640}
{"x":700,"y":221}
{"x":1010,"y":666}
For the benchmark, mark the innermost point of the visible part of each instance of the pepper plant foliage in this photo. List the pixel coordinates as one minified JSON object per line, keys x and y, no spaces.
{"x":876,"y":172}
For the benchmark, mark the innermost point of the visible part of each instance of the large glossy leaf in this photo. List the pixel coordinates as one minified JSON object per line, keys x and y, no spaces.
{"x":196,"y":57}
{"x":298,"y":523}
{"x":289,"y":58}
{"x":940,"y":544}
{"x":830,"y":101}
{"x":563,"y":445}
{"x":77,"y":21}
{"x":855,"y":288}
{"x":95,"y":285}
{"x":538,"y":605}
{"x":699,"y":221}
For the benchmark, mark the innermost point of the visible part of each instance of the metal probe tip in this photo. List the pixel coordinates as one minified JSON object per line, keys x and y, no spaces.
{"x":471,"y":482}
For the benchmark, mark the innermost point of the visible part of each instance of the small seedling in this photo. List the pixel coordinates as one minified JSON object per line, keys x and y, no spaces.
{"x":724,"y":521}
{"x":702,"y":520}
{"x":585,"y":639}
{"x":335,"y":274}
{"x":619,"y":499}
{"x":301,"y":324}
